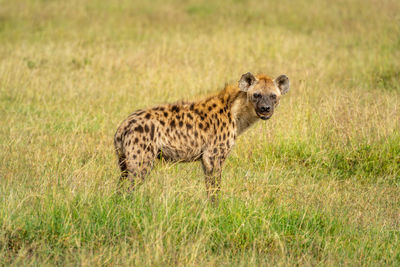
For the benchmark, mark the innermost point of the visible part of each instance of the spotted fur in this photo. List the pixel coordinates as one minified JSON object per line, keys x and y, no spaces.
{"x":205,"y":130}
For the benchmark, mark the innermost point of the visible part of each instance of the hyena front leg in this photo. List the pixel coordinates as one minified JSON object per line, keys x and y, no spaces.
{"x":212,"y":166}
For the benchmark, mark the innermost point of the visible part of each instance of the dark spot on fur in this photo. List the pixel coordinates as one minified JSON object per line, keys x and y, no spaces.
{"x":148,"y":116}
{"x":209,"y":108}
{"x":136,"y":140}
{"x":178,"y":117}
{"x":215,"y":150}
{"x":200,"y":125}
{"x":132,"y":121}
{"x":165,"y":114}
{"x":190,"y":116}
{"x":175,"y":108}
{"x":195,"y":134}
{"x":152,"y":132}
{"x":146,"y":128}
{"x":162,"y":123}
{"x":224,"y":124}
{"x":192,"y":106}
{"x":139,"y":129}
{"x":180,"y":123}
{"x":188,"y":125}
{"x":172,"y":123}
{"x":221,"y":111}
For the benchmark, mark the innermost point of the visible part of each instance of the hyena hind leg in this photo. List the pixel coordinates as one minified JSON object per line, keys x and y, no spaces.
{"x":135,"y":172}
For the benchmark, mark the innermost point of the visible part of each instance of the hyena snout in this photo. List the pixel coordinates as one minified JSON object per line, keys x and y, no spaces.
{"x":265,"y":109}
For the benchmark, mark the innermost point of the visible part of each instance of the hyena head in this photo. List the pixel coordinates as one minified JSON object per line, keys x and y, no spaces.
{"x":263,"y":93}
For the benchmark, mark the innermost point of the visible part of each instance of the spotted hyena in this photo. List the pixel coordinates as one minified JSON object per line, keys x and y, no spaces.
{"x":205,"y":130}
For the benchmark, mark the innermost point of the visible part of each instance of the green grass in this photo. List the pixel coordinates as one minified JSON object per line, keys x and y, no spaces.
{"x":318,"y":184}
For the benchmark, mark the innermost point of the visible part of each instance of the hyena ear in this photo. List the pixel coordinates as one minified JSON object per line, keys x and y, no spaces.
{"x":246,"y":81}
{"x":282,"y":82}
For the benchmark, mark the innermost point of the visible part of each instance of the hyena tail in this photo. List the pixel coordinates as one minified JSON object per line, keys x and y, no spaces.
{"x":122,"y":165}
{"x":120,"y":156}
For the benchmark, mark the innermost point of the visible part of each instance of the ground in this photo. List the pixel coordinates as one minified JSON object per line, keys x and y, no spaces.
{"x":316,"y":184}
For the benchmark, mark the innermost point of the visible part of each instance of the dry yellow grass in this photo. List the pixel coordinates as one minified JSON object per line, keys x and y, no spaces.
{"x":316,"y":184}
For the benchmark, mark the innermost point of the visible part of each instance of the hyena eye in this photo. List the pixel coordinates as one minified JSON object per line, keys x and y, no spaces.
{"x":273,"y":96}
{"x":257,"y":95}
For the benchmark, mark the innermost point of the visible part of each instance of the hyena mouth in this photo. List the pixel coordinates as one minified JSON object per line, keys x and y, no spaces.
{"x":263,"y":116}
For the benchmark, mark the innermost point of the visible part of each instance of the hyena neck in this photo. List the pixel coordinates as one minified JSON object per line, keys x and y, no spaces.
{"x":242,"y":112}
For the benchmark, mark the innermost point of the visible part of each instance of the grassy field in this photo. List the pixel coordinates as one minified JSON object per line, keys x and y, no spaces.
{"x":318,"y":184}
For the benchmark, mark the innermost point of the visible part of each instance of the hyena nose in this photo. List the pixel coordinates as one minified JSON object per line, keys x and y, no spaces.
{"x":265,"y":108}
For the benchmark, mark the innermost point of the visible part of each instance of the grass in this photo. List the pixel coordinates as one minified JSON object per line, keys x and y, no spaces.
{"x":316,"y":185}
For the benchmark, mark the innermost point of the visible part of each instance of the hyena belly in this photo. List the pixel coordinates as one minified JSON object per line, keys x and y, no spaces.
{"x":179,"y":153}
